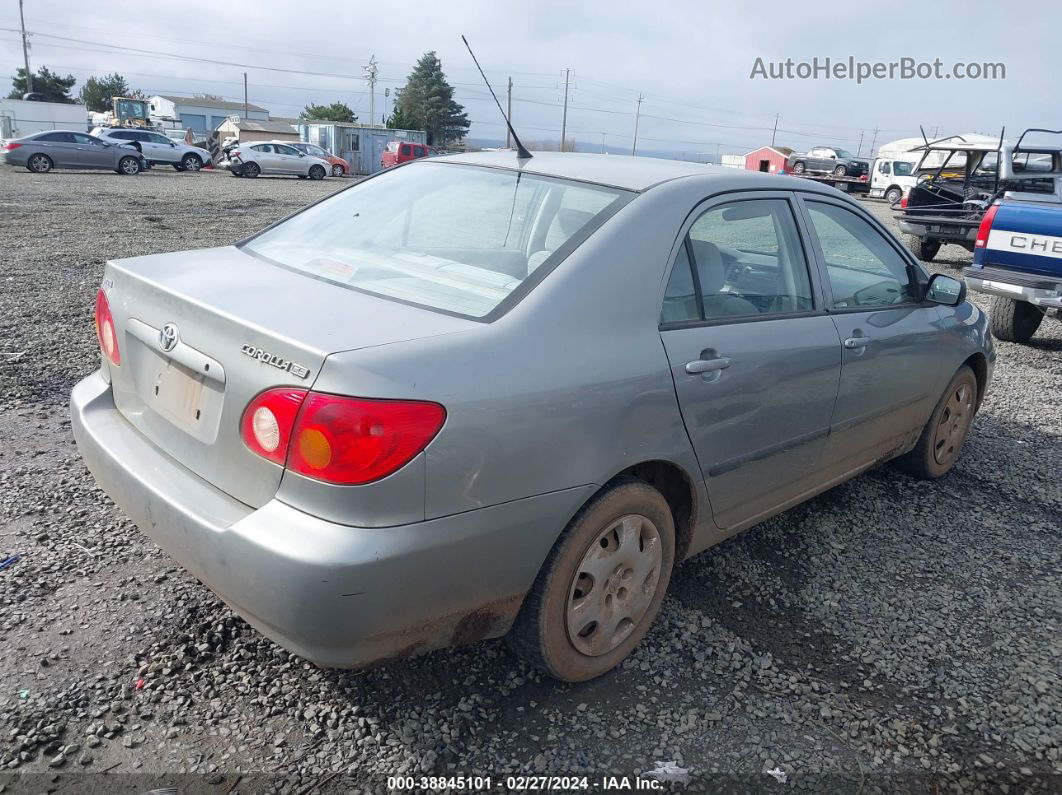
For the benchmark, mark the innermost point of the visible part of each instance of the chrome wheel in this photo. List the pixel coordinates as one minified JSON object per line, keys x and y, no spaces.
{"x":953,"y":423}
{"x":191,"y":163}
{"x":129,"y":165}
{"x":40,"y":164}
{"x":614,"y":585}
{"x":337,"y":170}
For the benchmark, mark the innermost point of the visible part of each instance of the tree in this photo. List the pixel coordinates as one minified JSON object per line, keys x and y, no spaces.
{"x":427,"y":101}
{"x":54,"y":87}
{"x":337,"y":111}
{"x":400,"y":121}
{"x":97,"y":91}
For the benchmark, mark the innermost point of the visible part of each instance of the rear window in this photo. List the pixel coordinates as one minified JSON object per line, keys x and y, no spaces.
{"x":459,"y":239}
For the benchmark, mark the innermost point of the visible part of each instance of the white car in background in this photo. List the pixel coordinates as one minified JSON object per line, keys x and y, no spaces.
{"x":274,"y":157}
{"x":158,"y":149}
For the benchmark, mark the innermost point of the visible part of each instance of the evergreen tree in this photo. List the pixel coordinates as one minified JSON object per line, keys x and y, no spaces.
{"x":400,"y":121}
{"x":54,"y":87}
{"x":427,"y":101}
{"x":337,"y":111}
{"x":98,"y":91}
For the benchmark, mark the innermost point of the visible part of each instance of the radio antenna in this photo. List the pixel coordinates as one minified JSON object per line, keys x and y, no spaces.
{"x":521,"y":152}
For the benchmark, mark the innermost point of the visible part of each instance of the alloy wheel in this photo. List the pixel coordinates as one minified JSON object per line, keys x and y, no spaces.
{"x":614,"y":585}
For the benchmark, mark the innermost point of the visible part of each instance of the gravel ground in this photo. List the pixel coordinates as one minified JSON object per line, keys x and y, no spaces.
{"x":890,"y":635}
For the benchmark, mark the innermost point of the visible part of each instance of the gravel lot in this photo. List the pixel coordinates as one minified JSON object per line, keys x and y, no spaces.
{"x":890,"y":635}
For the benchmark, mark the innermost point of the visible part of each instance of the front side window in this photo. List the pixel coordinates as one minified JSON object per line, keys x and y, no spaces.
{"x":406,"y":149}
{"x":864,"y":270}
{"x":286,"y":150}
{"x":85,"y":140}
{"x":746,"y":261}
{"x":456,"y":238}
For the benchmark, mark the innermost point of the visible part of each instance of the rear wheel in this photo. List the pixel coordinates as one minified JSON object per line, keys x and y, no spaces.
{"x":191,"y":162}
{"x":39,"y":164}
{"x":925,"y":250}
{"x":840,"y":171}
{"x":1013,"y":321}
{"x":893,"y":195}
{"x":129,"y":166}
{"x":601,"y":586}
{"x":942,"y":438}
{"x":337,"y":170}
{"x":798,"y":167}
{"x":251,"y":170}
{"x":317,"y":172}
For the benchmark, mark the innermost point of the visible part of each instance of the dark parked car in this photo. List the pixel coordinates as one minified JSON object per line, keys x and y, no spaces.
{"x":43,"y":151}
{"x":828,"y":160}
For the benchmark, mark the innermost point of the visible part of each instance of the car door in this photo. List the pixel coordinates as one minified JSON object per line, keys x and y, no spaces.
{"x":59,"y":146}
{"x":161,"y":148}
{"x":91,"y":153}
{"x":754,"y":356}
{"x":890,"y":379}
{"x":266,"y":158}
{"x":289,"y":160}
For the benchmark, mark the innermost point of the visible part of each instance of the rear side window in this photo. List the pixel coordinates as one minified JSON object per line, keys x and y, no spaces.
{"x":262,"y":148}
{"x":744,"y":259}
{"x":58,"y":138}
{"x":864,"y":269}
{"x":460,"y":239}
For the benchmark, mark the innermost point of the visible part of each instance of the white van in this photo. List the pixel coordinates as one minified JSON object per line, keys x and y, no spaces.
{"x":891,"y":178}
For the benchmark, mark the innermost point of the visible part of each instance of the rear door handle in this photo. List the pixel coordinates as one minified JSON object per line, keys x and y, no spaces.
{"x":698,"y":366}
{"x":856,"y":342}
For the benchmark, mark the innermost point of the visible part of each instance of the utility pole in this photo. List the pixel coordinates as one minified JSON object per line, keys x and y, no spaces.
{"x":873,"y":141}
{"x":371,"y":73}
{"x":564,"y":118}
{"x":774,"y":132}
{"x":637,"y":116}
{"x":509,"y":114}
{"x":859,"y":149}
{"x":245,"y":113}
{"x":25,"y":48}
{"x":603,"y":144}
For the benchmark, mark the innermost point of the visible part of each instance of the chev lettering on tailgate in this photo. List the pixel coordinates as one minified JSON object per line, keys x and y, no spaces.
{"x":1025,"y":243}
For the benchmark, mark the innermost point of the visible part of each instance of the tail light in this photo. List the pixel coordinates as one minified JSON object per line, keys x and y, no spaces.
{"x":12,"y":145}
{"x":985,"y":227}
{"x":903,"y":203}
{"x":234,"y":153}
{"x":105,"y":332}
{"x":336,"y":439}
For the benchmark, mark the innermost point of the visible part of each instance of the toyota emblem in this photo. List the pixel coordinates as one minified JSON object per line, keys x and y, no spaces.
{"x":169,"y":336}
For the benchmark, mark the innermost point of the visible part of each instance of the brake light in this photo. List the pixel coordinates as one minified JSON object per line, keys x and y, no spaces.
{"x":903,"y":203}
{"x":985,"y":227}
{"x":336,"y":439}
{"x":9,"y":146}
{"x":105,"y":332}
{"x":268,"y":421}
{"x":234,"y":153}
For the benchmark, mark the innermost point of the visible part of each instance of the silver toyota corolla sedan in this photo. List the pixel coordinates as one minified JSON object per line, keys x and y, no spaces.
{"x":476,"y":395}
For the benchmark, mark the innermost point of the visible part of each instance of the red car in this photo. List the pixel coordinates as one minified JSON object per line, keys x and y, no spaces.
{"x":399,"y":152}
{"x":340,"y":167}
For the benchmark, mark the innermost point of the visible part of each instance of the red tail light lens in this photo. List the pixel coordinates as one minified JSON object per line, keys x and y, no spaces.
{"x":903,"y":203}
{"x":985,"y":227}
{"x":336,"y":439}
{"x":105,"y":332}
{"x":268,"y":421}
{"x":9,"y":146}
{"x":355,"y":440}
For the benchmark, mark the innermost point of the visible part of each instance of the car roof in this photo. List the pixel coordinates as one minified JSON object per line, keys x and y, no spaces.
{"x":624,"y":171}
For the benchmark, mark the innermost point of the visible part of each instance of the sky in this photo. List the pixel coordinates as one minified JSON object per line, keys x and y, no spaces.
{"x":692,"y":62}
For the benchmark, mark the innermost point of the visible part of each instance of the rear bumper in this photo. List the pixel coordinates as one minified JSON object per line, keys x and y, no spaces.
{"x":339,"y":596}
{"x":1038,"y":290}
{"x":938,"y":230}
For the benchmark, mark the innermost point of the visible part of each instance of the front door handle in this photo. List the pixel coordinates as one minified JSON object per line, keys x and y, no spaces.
{"x":698,"y":366}
{"x":856,"y":342}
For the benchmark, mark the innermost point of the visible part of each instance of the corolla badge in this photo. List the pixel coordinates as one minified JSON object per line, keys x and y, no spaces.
{"x":272,"y":359}
{"x":169,"y":336}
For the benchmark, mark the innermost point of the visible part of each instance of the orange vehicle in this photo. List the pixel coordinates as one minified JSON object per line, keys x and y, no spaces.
{"x":340,"y":167}
{"x":401,"y":151}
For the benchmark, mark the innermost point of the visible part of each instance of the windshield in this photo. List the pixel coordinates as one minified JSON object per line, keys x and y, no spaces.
{"x":456,"y":238}
{"x":901,"y":168}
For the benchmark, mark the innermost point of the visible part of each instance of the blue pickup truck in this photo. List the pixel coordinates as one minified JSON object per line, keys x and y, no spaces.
{"x":1018,"y":261}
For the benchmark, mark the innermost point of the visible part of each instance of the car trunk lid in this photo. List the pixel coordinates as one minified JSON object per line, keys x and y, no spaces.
{"x":202,"y":332}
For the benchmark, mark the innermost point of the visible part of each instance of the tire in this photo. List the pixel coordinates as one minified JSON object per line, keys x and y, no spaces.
{"x":338,"y":170}
{"x":925,"y":250}
{"x":317,"y":172}
{"x":547,"y":632}
{"x":798,"y":167}
{"x":191,"y":162}
{"x":942,"y":438}
{"x":251,"y":170}
{"x":893,"y":195}
{"x":1013,"y":321}
{"x":129,"y":166}
{"x":39,"y":164}
{"x":840,"y":171}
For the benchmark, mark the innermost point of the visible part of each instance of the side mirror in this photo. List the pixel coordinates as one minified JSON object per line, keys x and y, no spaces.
{"x":302,"y":154}
{"x":945,"y":290}
{"x":173,"y":145}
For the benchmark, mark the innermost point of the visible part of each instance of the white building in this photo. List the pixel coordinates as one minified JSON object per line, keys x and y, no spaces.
{"x":19,"y":118}
{"x":201,"y":116}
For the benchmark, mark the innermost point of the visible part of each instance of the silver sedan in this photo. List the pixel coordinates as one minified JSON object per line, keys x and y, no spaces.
{"x":478,"y":395}
{"x":43,"y":151}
